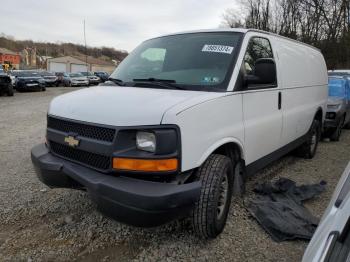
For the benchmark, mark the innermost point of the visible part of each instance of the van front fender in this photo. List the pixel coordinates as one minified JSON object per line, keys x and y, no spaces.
{"x":218,"y":144}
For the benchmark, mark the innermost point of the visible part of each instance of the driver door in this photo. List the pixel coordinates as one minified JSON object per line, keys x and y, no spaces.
{"x":262,"y":109}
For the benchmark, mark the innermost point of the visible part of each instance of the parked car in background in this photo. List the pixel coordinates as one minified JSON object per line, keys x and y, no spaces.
{"x":102,"y":75}
{"x":93,"y":80}
{"x":331,"y":241}
{"x":5,"y":84}
{"x":49,"y":78}
{"x":338,"y":107}
{"x":189,"y":118}
{"x":63,"y":79}
{"x":28,"y":81}
{"x":13,"y":78}
{"x":77,"y":79}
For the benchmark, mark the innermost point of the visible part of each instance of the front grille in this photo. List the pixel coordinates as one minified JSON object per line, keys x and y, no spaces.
{"x":87,"y":158}
{"x":84,"y":130}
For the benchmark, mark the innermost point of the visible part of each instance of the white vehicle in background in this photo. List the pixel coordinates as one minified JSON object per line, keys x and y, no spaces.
{"x":77,"y":79}
{"x":188,"y":117}
{"x":331,"y":241}
{"x":93,"y":80}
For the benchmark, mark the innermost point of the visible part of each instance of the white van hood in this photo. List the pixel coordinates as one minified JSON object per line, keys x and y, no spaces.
{"x":121,"y":106}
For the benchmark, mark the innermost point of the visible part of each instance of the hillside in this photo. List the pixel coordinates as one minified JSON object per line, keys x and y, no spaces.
{"x":62,"y":49}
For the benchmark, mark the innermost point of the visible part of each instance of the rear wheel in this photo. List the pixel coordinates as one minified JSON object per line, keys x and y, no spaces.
{"x":210,"y":212}
{"x":43,"y":89}
{"x":309,"y":148}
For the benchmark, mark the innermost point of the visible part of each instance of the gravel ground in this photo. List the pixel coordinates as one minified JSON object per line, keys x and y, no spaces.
{"x":41,"y":224}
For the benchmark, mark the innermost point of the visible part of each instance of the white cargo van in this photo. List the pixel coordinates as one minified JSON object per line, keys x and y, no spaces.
{"x":183,"y":121}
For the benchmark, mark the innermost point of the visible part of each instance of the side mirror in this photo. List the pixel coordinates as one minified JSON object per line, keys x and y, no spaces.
{"x":264,"y":73}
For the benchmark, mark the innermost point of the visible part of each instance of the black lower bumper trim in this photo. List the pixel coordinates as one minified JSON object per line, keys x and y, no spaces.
{"x":331,"y":123}
{"x":128,"y":200}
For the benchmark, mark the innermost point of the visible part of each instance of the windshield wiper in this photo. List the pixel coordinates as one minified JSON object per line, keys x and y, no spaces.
{"x":165,"y":83}
{"x":118,"y":82}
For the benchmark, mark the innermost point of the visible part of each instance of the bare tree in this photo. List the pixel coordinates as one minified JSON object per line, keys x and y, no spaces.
{"x":232,"y":18}
{"x":322,"y":23}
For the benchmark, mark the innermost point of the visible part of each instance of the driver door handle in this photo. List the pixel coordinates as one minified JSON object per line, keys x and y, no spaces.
{"x":279,"y":100}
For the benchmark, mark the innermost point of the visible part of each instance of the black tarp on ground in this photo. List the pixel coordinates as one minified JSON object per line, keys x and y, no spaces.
{"x":279,"y":209}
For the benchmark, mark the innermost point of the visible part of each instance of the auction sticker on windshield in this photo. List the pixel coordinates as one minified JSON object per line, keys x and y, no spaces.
{"x":218,"y":49}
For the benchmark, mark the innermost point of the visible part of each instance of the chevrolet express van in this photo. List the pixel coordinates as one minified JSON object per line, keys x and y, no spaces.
{"x":183,"y":121}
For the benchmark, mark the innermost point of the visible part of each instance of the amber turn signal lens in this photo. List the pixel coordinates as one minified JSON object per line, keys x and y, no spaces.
{"x":148,"y":165}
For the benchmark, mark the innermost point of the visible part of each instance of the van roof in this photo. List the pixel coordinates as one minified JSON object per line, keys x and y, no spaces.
{"x":239,"y":30}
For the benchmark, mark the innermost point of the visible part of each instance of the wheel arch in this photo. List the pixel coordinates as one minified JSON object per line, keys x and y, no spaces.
{"x":226,"y":147}
{"x":319,"y":115}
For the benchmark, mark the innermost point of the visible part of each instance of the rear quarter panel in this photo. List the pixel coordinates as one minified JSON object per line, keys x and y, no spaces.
{"x":304,"y":86}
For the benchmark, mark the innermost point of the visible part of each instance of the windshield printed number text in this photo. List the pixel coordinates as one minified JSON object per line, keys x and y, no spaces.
{"x":218,"y":49}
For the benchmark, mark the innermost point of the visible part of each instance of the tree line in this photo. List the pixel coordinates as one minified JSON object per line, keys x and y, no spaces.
{"x":61,"y":49}
{"x":324,"y":24}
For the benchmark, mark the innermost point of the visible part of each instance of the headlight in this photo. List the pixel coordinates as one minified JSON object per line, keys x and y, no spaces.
{"x":146,"y":141}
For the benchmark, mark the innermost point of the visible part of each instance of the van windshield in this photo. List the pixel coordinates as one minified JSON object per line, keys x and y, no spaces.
{"x":196,"y":61}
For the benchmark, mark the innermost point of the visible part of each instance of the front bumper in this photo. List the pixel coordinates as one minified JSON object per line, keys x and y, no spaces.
{"x":131,"y":201}
{"x":94,"y":81}
{"x":80,"y":83}
{"x":333,"y":123}
{"x":51,"y":83}
{"x":4,"y":87}
{"x":330,"y":123}
{"x":26,"y":87}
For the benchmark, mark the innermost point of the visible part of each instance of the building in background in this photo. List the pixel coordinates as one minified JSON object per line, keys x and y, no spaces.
{"x":71,"y":64}
{"x":9,"y":57}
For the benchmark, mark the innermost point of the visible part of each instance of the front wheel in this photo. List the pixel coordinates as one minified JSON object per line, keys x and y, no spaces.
{"x":211,"y":210}
{"x":10,"y":90}
{"x":335,"y":136}
{"x":309,"y":148}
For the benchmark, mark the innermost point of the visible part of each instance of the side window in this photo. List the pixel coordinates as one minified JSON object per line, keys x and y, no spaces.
{"x":259,"y":66}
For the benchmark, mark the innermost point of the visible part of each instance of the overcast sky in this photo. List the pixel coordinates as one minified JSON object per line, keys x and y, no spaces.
{"x":122,"y":24}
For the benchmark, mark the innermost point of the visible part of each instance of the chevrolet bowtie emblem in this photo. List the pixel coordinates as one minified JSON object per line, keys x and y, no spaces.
{"x":71,"y":141}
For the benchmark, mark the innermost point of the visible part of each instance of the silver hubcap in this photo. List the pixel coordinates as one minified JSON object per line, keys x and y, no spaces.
{"x":223,"y":196}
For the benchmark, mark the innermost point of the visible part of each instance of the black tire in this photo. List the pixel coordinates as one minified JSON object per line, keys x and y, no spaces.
{"x":210,"y":212}
{"x":309,"y":148}
{"x":347,"y":126}
{"x":43,"y":89}
{"x":335,"y":135}
{"x":10,"y":90}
